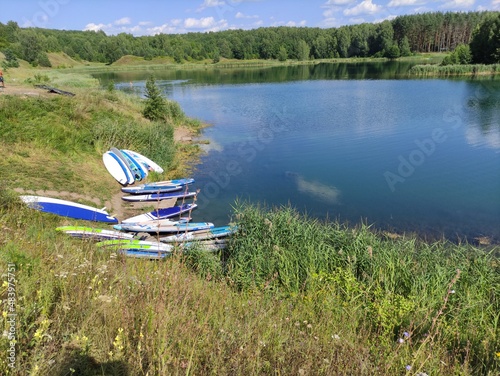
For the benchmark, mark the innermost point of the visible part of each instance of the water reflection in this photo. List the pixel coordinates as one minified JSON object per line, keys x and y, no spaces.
{"x":327,"y":193}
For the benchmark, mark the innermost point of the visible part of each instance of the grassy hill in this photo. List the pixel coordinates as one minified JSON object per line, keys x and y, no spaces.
{"x":290,"y":295}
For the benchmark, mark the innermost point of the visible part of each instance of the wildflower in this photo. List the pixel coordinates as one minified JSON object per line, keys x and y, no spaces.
{"x":335,"y":336}
{"x":38,"y":334}
{"x":452,"y":291}
{"x":4,"y":314}
{"x":406,"y":334}
{"x":401,"y":340}
{"x":408,"y":367}
{"x":5,"y":284}
{"x":309,"y":326}
{"x":498,"y":354}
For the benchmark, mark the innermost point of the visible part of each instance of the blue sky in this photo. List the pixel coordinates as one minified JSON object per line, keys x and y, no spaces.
{"x":149,"y":17}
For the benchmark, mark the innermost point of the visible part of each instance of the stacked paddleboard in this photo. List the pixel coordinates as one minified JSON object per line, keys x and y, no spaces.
{"x":127,"y":166}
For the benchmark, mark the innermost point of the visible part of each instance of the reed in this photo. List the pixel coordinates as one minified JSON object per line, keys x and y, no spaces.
{"x":454,"y":70}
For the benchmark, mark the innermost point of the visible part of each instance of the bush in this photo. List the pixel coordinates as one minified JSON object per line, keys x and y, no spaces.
{"x":461,"y":55}
{"x":43,"y":60}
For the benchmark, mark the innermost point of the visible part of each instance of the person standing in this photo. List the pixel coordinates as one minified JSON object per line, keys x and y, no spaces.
{"x":1,"y":78}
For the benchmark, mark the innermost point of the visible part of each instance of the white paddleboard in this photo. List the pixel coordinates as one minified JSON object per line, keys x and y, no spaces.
{"x":116,"y":169}
{"x":145,"y":161}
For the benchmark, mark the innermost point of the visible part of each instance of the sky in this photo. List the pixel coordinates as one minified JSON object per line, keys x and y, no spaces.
{"x":150,"y":17}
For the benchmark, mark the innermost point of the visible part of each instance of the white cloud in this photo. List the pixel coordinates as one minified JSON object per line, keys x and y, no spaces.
{"x":241,"y":15}
{"x":96,"y":27}
{"x":213,"y":3}
{"x":293,"y":23}
{"x":404,"y":3}
{"x":338,"y":2}
{"x":421,"y":10}
{"x":329,"y":22}
{"x":388,"y":18}
{"x":205,"y":23}
{"x":199,"y":23}
{"x":455,"y":4}
{"x":496,"y":4}
{"x":135,"y":30}
{"x":365,"y":7}
{"x":162,"y":29}
{"x":210,"y":4}
{"x":123,"y":21}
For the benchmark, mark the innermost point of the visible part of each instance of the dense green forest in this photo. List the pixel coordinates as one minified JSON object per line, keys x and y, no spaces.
{"x":402,"y":36}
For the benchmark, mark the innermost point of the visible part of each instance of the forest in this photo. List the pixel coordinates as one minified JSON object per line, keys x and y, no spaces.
{"x":402,"y":36}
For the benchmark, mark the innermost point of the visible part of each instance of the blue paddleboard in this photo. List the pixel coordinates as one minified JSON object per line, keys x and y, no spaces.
{"x":68,"y":209}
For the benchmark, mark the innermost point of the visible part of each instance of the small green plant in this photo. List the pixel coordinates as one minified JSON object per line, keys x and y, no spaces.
{"x":38,"y":78}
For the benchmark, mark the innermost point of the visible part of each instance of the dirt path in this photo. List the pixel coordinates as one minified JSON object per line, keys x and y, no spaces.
{"x":23,"y":91}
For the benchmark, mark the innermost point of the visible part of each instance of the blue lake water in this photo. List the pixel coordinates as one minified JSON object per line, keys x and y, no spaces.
{"x":401,"y":154}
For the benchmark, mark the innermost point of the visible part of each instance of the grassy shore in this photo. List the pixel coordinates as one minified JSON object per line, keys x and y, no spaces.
{"x":290,"y":295}
{"x":454,"y":70}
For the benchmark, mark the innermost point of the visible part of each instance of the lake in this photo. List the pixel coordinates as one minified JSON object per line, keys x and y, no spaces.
{"x":349,"y":142}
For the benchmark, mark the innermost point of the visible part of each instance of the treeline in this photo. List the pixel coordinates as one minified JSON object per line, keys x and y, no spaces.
{"x":402,"y":36}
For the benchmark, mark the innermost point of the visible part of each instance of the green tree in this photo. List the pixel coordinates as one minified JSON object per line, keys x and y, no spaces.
{"x":404,"y":47}
{"x":110,"y":49}
{"x":10,"y":59}
{"x":344,"y":41}
{"x":43,"y":60}
{"x":216,"y":56}
{"x":303,"y":50}
{"x":31,"y":45}
{"x":282,"y":54}
{"x":155,"y":108}
{"x":485,"y":43}
{"x":461,"y":55}
{"x":158,"y":108}
{"x":392,"y":52}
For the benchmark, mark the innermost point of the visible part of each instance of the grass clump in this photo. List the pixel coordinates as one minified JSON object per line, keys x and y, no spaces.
{"x":47,"y":137}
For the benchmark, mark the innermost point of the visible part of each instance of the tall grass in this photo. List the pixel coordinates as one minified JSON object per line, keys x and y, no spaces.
{"x":44,"y":136}
{"x":393,"y":286}
{"x":290,"y":296}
